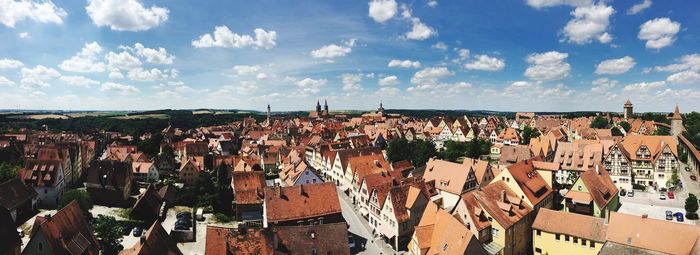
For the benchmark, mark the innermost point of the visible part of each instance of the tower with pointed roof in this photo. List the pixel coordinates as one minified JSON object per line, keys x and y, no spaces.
{"x":676,"y":122}
{"x":325,"y":106}
{"x":629,"y":112}
{"x":318,"y":107}
{"x":268,"y":115}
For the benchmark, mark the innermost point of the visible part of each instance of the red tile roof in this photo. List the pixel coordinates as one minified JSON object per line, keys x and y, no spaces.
{"x":67,"y":231}
{"x":301,"y":202}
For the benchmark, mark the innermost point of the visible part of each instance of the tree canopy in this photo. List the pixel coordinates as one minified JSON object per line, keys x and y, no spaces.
{"x":599,"y":122}
{"x":416,"y":151}
{"x":529,"y":133}
{"x":691,"y":204}
{"x":108,"y":232}
{"x":626,"y":126}
{"x":616,"y":132}
{"x":80,"y":196}
{"x":8,"y":171}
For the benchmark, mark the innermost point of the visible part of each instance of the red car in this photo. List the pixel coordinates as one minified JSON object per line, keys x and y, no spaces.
{"x":671,"y":195}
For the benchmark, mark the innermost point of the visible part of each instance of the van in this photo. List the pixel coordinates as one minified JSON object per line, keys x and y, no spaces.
{"x":200,"y":214}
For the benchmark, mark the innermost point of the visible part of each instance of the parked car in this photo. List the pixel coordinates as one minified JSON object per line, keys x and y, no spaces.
{"x":671,"y":195}
{"x":679,"y":216}
{"x":630,"y":193}
{"x":181,"y":215}
{"x":138,"y":231}
{"x":125,"y":230}
{"x":351,"y":242}
{"x":669,"y":215}
{"x":662,"y":196}
{"x":693,"y":177}
{"x":623,"y":192}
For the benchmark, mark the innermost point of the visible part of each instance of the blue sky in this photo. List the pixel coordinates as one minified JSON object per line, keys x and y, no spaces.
{"x":515,"y":55}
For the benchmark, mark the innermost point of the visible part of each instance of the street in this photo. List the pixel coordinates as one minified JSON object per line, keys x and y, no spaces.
{"x":359,"y":229}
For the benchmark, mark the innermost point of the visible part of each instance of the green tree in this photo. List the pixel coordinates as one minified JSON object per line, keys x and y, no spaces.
{"x":8,"y":171}
{"x":416,"y":151}
{"x":81,"y":196}
{"x":454,"y":150}
{"x":616,"y":132}
{"x":108,"y":232}
{"x":529,"y":133}
{"x":151,"y":146}
{"x":626,"y":126}
{"x":691,"y":204}
{"x":599,"y":122}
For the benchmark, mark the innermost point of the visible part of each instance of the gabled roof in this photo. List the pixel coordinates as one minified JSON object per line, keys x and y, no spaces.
{"x":248,"y":187}
{"x":441,"y":233}
{"x":155,"y":241}
{"x":223,"y":240}
{"x":530,"y":181}
{"x":67,"y":232}
{"x":15,"y":193}
{"x":324,"y":239}
{"x":454,"y":175}
{"x":507,"y":212}
{"x":600,"y":185}
{"x":573,"y":224}
{"x":652,"y":234}
{"x":515,"y":153}
{"x":480,"y":167}
{"x":301,"y":202}
{"x":654,"y":143}
{"x":41,"y":172}
{"x":107,"y":174}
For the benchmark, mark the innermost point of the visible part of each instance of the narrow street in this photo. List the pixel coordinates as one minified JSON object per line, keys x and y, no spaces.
{"x":360,"y":230}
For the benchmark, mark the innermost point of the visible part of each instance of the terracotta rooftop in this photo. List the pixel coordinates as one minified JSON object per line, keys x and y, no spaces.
{"x":559,"y":222}
{"x":652,"y":234}
{"x":15,"y":193}
{"x":448,"y":176}
{"x":530,"y":181}
{"x":67,"y":231}
{"x":324,"y":239}
{"x":224,"y":241}
{"x":301,"y":202}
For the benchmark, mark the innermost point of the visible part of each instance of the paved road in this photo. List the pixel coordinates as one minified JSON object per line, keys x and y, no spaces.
{"x":359,"y":229}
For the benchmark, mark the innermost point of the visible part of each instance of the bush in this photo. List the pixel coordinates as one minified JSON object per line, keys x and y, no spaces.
{"x":222,"y":218}
{"x":81,"y":196}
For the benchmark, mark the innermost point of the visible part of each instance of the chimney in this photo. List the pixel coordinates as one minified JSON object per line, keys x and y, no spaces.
{"x":597,"y":171}
{"x":503,"y":196}
{"x":301,"y":190}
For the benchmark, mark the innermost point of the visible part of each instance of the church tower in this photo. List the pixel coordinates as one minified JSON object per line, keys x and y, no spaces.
{"x":318,"y":107}
{"x":268,"y":115}
{"x":325,"y":106}
{"x":676,"y":122}
{"x":629,"y":112}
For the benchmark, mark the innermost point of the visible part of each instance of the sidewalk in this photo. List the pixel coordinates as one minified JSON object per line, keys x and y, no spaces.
{"x":378,"y":241}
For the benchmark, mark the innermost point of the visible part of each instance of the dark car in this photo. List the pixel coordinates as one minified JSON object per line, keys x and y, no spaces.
{"x":125,"y":230}
{"x":669,"y":215}
{"x":181,"y":215}
{"x":679,"y":216}
{"x":138,"y":231}
{"x":623,"y":192}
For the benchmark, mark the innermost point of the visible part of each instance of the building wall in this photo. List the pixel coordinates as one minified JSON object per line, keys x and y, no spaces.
{"x":546,"y":243}
{"x":37,"y":245}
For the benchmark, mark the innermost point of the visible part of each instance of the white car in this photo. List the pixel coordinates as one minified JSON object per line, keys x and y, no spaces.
{"x":662,"y":196}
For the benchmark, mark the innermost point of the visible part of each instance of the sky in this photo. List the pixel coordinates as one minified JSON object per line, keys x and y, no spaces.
{"x":506,"y":55}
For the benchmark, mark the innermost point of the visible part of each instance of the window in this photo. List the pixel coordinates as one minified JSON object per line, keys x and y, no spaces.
{"x":592,"y":244}
{"x":566,"y":238}
{"x":575,"y":239}
{"x":494,"y":232}
{"x":539,"y":232}
{"x":558,"y":237}
{"x":538,"y":250}
{"x":580,"y":188}
{"x":583,"y":242}
{"x":490,"y":219}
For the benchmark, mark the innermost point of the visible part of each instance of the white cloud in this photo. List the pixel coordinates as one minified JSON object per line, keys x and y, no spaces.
{"x":23,"y":35}
{"x":114,"y":73}
{"x":463,"y":53}
{"x":159,"y":56}
{"x":247,"y":87}
{"x":547,"y":66}
{"x":525,"y":89}
{"x":644,"y":86}
{"x":333,"y":50}
{"x":441,"y":89}
{"x":382,"y":10}
{"x":309,"y":86}
{"x":387,"y":91}
{"x":6,"y":82}
{"x":79,"y":81}
{"x":433,"y":3}
{"x":589,"y":23}
{"x":637,"y":8}
{"x":140,"y":74}
{"x":389,"y":81}
{"x":550,"y":3}
{"x":85,"y":61}
{"x":261,"y":76}
{"x":686,"y":62}
{"x":246,"y":69}
{"x":404,"y":63}
{"x":430,"y":75}
{"x":684,"y":77}
{"x":224,"y":38}
{"x":122,"y":60}
{"x":351,"y":83}
{"x":439,"y":46}
{"x":7,"y":63}
{"x":659,"y":32}
{"x":12,"y":11}
{"x":119,"y":88}
{"x":486,"y":63}
{"x":603,"y":85}
{"x":615,"y":66}
{"x":419,"y":30}
{"x":38,"y":76}
{"x":125,"y":15}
